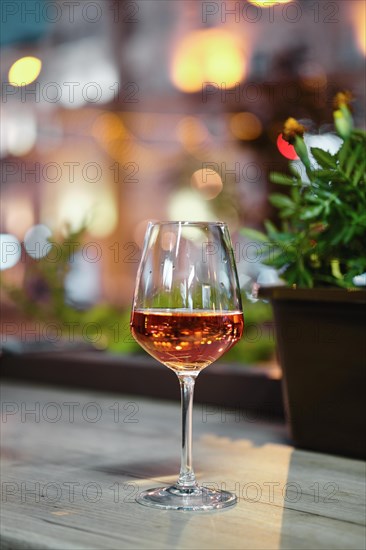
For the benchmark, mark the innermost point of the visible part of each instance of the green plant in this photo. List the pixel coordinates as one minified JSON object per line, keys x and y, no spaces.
{"x":321,"y":241}
{"x":258,"y":343}
{"x":42,"y":298}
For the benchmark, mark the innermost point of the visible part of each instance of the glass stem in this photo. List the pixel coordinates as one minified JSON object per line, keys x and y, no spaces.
{"x":187,"y":479}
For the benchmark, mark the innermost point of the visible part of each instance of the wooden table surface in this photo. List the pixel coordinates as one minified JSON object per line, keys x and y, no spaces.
{"x":73,"y":462}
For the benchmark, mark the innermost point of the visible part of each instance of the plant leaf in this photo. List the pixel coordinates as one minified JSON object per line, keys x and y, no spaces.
{"x":325,"y":159}
{"x":254,"y":234}
{"x":297,"y":170}
{"x":343,"y":152}
{"x":281,"y":179}
{"x":281,"y":201}
{"x":286,"y":212}
{"x":360,"y":173}
{"x":270,"y":228}
{"x":349,"y":233}
{"x":311,"y":212}
{"x":352,"y":160}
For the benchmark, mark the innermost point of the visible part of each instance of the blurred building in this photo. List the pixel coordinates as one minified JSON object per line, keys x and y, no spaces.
{"x":116,"y":112}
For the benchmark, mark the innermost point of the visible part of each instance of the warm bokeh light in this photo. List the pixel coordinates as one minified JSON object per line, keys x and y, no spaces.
{"x":108,"y":127}
{"x":74,"y":208}
{"x":105,"y":217}
{"x":207,"y":182}
{"x":24,"y":71}
{"x":187,"y":204}
{"x":168,"y":241}
{"x":17,"y":214}
{"x":245,"y":126}
{"x":192,"y":133}
{"x":210,"y":55}
{"x":195,"y":138}
{"x":268,"y":3}
{"x":286,"y":149}
{"x":97,"y":210}
{"x":358,"y":15}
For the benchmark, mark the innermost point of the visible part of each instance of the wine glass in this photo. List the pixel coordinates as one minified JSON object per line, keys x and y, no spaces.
{"x":186,"y":313}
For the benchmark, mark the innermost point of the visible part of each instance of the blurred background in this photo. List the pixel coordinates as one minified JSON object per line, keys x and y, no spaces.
{"x":116,"y":112}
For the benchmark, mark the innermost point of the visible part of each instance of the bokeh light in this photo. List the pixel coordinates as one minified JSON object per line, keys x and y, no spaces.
{"x":18,"y":131}
{"x":82,"y":282}
{"x":36,"y":241}
{"x":207,"y":182}
{"x":10,"y":251}
{"x":83,"y":206}
{"x":75,"y":207}
{"x":17,"y":214}
{"x":105,"y":216}
{"x":245,"y":126}
{"x":358,"y":15}
{"x":189,"y":205}
{"x":286,"y":149}
{"x":168,"y":241}
{"x":268,"y":3}
{"x":24,"y":71}
{"x":108,"y":127}
{"x":210,"y":55}
{"x":79,"y":61}
{"x":192,"y":133}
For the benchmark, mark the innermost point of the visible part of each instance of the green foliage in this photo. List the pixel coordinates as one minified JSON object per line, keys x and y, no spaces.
{"x":258,"y":343}
{"x":322,"y":238}
{"x":112,"y":328}
{"x":43,"y":299}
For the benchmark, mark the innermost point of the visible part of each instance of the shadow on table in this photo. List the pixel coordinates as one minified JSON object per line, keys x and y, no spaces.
{"x":144,"y":469}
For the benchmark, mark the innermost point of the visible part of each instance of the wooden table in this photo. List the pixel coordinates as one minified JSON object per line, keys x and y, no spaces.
{"x":71,"y":470}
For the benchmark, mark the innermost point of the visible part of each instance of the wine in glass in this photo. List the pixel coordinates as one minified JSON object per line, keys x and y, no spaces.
{"x":186,"y":313}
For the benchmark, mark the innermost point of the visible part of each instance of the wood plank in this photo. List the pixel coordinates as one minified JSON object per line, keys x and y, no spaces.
{"x":287,"y":498}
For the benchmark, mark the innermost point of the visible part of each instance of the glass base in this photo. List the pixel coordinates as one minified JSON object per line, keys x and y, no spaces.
{"x":195,"y":499}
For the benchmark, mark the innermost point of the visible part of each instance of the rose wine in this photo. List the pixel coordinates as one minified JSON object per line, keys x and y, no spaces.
{"x":186,"y":340}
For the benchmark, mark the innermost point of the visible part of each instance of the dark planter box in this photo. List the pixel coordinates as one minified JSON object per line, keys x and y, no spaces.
{"x":321,"y":337}
{"x":226,"y":389}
